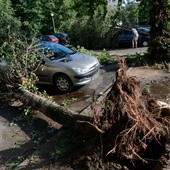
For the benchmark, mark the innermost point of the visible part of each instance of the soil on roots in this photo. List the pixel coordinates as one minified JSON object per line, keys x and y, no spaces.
{"x":130,"y":127}
{"x":129,"y":123}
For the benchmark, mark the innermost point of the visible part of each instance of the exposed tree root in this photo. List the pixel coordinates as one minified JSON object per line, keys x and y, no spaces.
{"x":130,"y":120}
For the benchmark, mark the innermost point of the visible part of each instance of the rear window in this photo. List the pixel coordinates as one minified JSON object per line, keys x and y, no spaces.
{"x":52,"y":37}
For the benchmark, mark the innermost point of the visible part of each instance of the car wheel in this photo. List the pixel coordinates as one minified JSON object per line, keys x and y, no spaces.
{"x":145,"y":43}
{"x":63,"y":83}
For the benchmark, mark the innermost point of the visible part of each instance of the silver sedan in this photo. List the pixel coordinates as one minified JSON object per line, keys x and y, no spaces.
{"x":66,"y":68}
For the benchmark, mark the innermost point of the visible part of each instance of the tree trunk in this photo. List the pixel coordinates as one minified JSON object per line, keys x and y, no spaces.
{"x":57,"y":113}
{"x":159,"y":50}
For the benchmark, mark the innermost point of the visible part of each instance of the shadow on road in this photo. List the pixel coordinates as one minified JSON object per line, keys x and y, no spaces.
{"x":21,"y":137}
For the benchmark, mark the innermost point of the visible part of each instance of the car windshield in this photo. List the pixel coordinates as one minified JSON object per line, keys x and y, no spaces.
{"x":56,"y":51}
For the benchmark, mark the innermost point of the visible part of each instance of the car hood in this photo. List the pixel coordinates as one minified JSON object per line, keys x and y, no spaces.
{"x":78,"y":60}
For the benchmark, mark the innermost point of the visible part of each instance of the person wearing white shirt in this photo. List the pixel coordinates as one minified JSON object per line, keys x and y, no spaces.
{"x":135,"y":38}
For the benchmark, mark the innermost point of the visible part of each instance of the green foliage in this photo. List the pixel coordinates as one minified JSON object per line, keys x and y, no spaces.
{"x":88,"y":7}
{"x":16,"y":161}
{"x":105,"y":58}
{"x":85,"y":21}
{"x":89,"y":23}
{"x":23,"y":59}
{"x":127,"y":15}
{"x":159,"y":50}
{"x":66,"y":102}
{"x":137,"y":59}
{"x":28,"y":121}
{"x":146,"y":89}
{"x":38,"y":12}
{"x":90,"y":33}
{"x":9,"y":24}
{"x":144,"y":11}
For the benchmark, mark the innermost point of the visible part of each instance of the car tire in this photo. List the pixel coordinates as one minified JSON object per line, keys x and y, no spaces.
{"x":63,"y":83}
{"x":144,"y":43}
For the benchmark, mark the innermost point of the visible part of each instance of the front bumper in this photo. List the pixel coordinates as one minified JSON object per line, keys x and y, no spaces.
{"x":85,"y":78}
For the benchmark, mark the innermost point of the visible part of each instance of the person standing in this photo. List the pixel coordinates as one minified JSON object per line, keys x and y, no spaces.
{"x":135,"y":38}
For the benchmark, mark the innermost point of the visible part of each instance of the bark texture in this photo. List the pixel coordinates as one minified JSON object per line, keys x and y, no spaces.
{"x":159,"y":46}
{"x":51,"y":109}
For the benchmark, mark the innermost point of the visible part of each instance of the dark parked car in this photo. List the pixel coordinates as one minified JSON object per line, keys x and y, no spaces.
{"x":50,"y":38}
{"x":63,"y":38}
{"x":124,"y":39}
{"x":65,"y":68}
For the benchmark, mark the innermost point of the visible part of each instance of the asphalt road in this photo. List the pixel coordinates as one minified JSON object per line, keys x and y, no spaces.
{"x":81,"y":97}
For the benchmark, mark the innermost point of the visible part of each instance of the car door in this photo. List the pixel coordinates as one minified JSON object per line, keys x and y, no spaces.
{"x":128,"y":38}
{"x":120,"y":39}
{"x":124,"y":38}
{"x":47,"y":69}
{"x":44,"y":72}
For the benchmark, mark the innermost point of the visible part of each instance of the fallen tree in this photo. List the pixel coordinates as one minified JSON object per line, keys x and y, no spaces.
{"x":127,"y":120}
{"x":51,"y":109}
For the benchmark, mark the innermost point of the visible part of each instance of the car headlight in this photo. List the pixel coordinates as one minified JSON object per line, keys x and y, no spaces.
{"x":80,"y":70}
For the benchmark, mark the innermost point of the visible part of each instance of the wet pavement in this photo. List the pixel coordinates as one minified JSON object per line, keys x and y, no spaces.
{"x":80,"y":97}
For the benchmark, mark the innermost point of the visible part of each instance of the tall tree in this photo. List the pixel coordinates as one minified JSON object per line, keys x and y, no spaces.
{"x":88,"y":7}
{"x":90,"y":19}
{"x":127,"y":15}
{"x":159,"y":47}
{"x":33,"y":15}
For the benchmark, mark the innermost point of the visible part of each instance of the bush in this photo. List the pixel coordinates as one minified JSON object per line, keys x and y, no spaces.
{"x":104,"y":57}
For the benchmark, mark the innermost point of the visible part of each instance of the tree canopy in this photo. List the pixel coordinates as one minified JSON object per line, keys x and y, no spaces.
{"x":89,"y":23}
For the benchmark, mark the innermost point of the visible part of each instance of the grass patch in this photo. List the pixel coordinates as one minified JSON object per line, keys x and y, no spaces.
{"x":137,"y":59}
